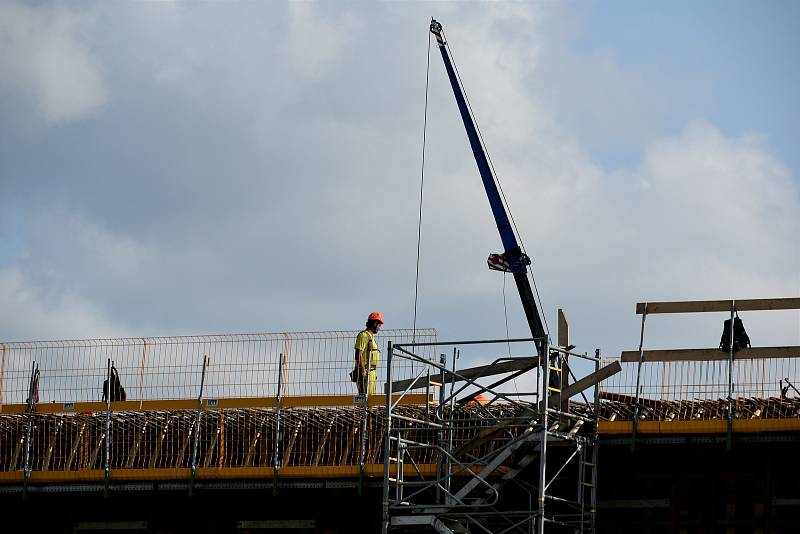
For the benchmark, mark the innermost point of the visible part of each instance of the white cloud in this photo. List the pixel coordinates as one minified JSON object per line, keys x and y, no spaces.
{"x":31,"y":312}
{"x":283,"y":194}
{"x":316,"y":43}
{"x":45,"y":57}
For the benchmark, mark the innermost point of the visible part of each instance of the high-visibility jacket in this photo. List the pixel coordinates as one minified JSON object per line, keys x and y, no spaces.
{"x":365,"y":341}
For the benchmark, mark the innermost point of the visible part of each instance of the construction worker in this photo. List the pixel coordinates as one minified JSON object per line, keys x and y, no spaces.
{"x":367,"y":355}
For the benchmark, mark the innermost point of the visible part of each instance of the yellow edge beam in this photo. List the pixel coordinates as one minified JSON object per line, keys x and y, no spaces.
{"x":701,"y":427}
{"x":213,"y":404}
{"x":211,"y":473}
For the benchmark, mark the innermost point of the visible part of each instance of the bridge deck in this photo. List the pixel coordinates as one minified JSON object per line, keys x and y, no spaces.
{"x":314,"y":442}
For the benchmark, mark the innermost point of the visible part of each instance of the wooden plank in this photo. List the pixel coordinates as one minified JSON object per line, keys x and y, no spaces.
{"x":702,"y":306}
{"x":157,"y":447}
{"x":563,"y":342}
{"x":471,"y":373}
{"x":75,"y":444}
{"x":585,"y":383}
{"x":137,"y":443}
{"x":53,"y":437}
{"x":563,"y":329}
{"x":684,"y":355}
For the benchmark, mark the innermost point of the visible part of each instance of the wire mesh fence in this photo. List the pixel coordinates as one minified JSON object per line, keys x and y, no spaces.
{"x":163,"y":368}
{"x":698,"y":390}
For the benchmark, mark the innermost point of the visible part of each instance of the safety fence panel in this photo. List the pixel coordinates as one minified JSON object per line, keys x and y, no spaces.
{"x":698,"y":390}
{"x":165,"y":368}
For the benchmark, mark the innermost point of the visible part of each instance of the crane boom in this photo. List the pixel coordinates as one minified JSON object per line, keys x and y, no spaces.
{"x":516,"y":262}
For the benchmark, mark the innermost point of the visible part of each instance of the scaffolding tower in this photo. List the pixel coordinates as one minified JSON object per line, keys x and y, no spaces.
{"x":506,"y":462}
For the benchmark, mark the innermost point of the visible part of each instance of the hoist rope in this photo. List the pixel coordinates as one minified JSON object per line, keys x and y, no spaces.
{"x":499,"y":186}
{"x":508,"y":336}
{"x":421,"y":188}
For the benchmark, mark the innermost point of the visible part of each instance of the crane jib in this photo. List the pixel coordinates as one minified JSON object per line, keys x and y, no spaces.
{"x":498,"y":210}
{"x":513,"y":253}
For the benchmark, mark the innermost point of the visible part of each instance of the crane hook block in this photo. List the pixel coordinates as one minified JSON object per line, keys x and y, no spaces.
{"x":508,"y":264}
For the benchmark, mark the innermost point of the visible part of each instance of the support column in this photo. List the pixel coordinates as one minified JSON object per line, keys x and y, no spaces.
{"x":635,"y":424}
{"x":543,"y":444}
{"x":729,"y":439}
{"x":387,"y":440}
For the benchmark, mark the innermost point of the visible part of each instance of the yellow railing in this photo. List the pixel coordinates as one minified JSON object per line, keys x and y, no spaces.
{"x":696,"y":390}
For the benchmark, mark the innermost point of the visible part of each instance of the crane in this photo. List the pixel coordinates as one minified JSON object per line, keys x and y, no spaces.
{"x":513,"y":259}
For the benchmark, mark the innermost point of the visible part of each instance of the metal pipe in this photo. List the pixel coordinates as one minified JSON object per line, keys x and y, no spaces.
{"x":453,"y":375}
{"x":472,"y":342}
{"x":141,"y":372}
{"x":635,"y":423}
{"x":415,"y":420}
{"x":107,"y":449}
{"x":3,"y":375}
{"x":387,"y":441}
{"x":197,"y":425}
{"x":449,"y":464}
{"x":729,"y":440}
{"x":543,"y":445}
{"x":570,"y":353}
{"x":29,"y":431}
{"x":276,"y":460}
{"x":440,"y":435}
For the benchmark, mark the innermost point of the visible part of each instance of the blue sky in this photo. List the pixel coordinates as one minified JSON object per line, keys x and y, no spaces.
{"x":188,"y":168}
{"x":745,"y":51}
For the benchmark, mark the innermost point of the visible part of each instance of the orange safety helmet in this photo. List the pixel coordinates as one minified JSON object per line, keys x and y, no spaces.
{"x":376,"y":316}
{"x":479,"y":399}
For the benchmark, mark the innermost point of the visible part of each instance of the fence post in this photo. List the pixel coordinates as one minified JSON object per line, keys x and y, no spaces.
{"x":276,"y":461}
{"x":29,"y":415}
{"x":197,"y":425}
{"x":450,"y":424}
{"x":141,"y":373}
{"x":107,"y":448}
{"x":441,"y":435}
{"x":3,"y":376}
{"x":362,"y":457}
{"x":729,"y":437}
{"x":387,"y":440}
{"x":543,"y":444}
{"x":635,"y":424}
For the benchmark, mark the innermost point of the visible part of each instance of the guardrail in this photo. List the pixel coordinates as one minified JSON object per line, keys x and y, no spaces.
{"x":166,"y":372}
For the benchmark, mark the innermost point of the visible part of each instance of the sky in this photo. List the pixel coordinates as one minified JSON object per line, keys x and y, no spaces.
{"x":173,"y":168}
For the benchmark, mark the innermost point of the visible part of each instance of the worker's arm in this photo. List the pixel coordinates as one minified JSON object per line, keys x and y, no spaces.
{"x":361,"y":352}
{"x":360,"y":360}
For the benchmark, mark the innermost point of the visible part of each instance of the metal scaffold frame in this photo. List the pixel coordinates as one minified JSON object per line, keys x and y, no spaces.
{"x":484,"y":438}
